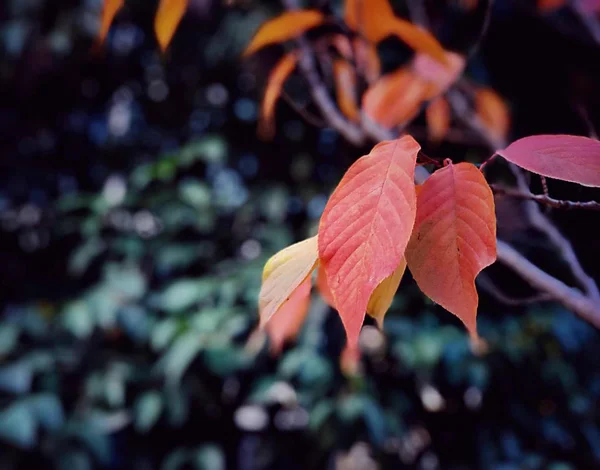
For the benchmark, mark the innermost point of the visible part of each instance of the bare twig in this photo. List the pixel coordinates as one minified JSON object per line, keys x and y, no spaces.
{"x":587,"y":19}
{"x":545,"y":200}
{"x":586,"y":306}
{"x":485,"y":283}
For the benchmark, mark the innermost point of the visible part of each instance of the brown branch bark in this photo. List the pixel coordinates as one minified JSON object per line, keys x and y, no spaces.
{"x":587,"y":305}
{"x":545,"y":200}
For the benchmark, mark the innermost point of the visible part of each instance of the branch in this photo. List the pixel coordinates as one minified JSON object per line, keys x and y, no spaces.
{"x":545,"y":200}
{"x":587,"y":307}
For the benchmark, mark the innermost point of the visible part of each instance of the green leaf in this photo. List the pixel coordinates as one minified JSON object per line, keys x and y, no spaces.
{"x":18,"y":426}
{"x":148,"y":409}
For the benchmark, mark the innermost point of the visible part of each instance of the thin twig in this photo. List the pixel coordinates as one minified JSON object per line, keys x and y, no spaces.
{"x":486,"y":283}
{"x":307,"y":115}
{"x":545,"y":200}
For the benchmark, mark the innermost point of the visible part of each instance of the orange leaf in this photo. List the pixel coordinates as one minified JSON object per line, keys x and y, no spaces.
{"x":282,"y":275}
{"x":277,"y":78}
{"x":284,"y":27}
{"x":454,"y":239}
{"x":395,"y":98}
{"x":375,"y":20}
{"x":109,"y":11}
{"x":382,"y":296}
{"x":168,"y":17}
{"x":345,"y":86}
{"x":438,"y":119}
{"x":288,"y":321}
{"x":323,"y":286}
{"x":493,"y":112}
{"x":366,"y":225}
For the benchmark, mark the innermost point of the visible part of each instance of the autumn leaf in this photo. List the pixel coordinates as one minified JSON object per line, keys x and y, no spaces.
{"x":345,"y":88}
{"x":109,"y":11}
{"x":396,"y":98}
{"x":438,"y":119}
{"x":168,"y":16}
{"x":564,"y":157}
{"x":323,"y":286}
{"x":375,"y":20}
{"x":382,"y":296}
{"x":454,"y":239}
{"x":350,"y":360}
{"x":366,"y":225}
{"x":277,"y":78}
{"x":493,"y":112}
{"x":284,"y":27}
{"x":440,"y":77}
{"x":283,"y":274}
{"x":288,"y":321}
{"x":367,"y":60}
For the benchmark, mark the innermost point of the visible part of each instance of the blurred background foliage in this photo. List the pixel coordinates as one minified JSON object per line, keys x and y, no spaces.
{"x":137,"y":208}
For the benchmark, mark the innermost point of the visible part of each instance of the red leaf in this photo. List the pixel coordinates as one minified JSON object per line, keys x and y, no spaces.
{"x":168,"y":16}
{"x":564,"y":157}
{"x":345,"y":87}
{"x":283,"y":28}
{"x":366,"y":225}
{"x":109,"y":11}
{"x":288,"y":321}
{"x":454,"y":239}
{"x":282,"y":275}
{"x":323,"y":287}
{"x":277,"y":78}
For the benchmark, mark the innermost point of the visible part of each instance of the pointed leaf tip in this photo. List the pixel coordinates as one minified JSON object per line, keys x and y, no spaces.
{"x":284,"y":27}
{"x":109,"y":11}
{"x":168,"y":16}
{"x":564,"y":157}
{"x":454,"y":239}
{"x":366,"y":225}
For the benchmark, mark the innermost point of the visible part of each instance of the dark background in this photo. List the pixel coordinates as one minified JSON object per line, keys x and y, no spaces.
{"x":103,"y":302}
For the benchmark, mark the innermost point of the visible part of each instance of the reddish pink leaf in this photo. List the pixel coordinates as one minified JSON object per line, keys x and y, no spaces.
{"x":350,"y":360}
{"x":323,"y":287}
{"x":283,"y":28}
{"x":289,"y":318}
{"x":564,"y":157}
{"x":454,"y":239}
{"x":366,"y":225}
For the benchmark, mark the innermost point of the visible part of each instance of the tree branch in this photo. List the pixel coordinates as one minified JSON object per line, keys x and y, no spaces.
{"x":545,"y":200}
{"x":586,"y":306}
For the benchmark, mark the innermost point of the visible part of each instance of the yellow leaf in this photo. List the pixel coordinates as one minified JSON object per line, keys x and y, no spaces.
{"x":167,"y":19}
{"x":109,"y":11}
{"x":282,"y":275}
{"x":277,"y":78}
{"x":345,"y":86}
{"x":382,"y":296}
{"x":283,"y":28}
{"x":493,"y":112}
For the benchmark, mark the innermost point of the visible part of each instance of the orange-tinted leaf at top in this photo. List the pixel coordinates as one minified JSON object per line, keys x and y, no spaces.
{"x":345,"y":88}
{"x":109,"y":11}
{"x":438,"y":119}
{"x":282,"y":275}
{"x":366,"y":225}
{"x":168,"y":16}
{"x":454,"y":239}
{"x":283,"y":28}
{"x":382,"y":296}
{"x":564,"y":157}
{"x":375,"y":20}
{"x":396,"y":98}
{"x":277,"y":78}
{"x":493,"y":112}
{"x":287,"y":322}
